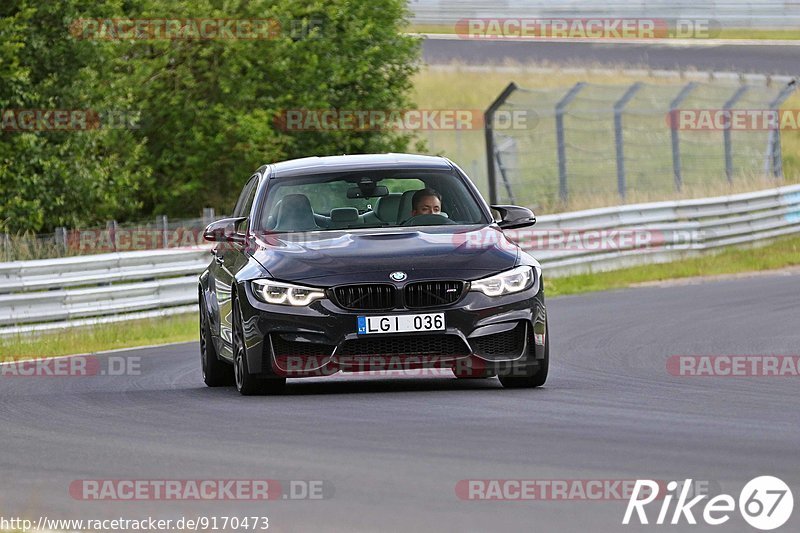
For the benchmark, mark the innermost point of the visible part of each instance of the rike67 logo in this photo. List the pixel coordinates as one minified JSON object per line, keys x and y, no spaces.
{"x":765,"y":502}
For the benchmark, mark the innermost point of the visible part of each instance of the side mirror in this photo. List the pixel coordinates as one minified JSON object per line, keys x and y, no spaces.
{"x":225,"y":230}
{"x":514,"y":216}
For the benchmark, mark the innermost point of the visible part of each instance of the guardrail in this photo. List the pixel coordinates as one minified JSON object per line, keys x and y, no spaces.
{"x":56,"y":293}
{"x":764,"y":14}
{"x":586,"y":241}
{"x":49,"y":294}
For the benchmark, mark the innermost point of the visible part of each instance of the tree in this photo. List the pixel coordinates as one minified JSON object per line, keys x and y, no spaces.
{"x":205,"y":108}
{"x":71,"y":178}
{"x":209,"y":106}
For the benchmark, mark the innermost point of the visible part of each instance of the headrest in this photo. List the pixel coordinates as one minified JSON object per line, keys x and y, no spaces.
{"x":295,"y":214}
{"x":406,"y":206}
{"x":344,"y":215}
{"x":386,"y":207}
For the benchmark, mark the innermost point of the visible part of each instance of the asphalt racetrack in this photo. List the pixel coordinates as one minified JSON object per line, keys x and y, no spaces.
{"x":391,"y":451}
{"x":745,"y":58}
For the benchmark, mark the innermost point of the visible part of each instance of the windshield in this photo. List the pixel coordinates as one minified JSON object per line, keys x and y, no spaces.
{"x":368,"y":199}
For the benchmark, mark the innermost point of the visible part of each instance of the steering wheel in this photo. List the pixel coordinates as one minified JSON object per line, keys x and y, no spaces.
{"x":427,"y":220}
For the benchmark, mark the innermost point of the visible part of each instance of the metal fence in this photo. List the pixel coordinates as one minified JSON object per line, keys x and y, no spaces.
{"x":160,"y":233}
{"x":622,"y":141}
{"x":729,"y":13}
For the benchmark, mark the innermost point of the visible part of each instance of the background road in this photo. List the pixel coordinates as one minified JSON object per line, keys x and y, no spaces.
{"x":394,"y":449}
{"x":773,"y":59}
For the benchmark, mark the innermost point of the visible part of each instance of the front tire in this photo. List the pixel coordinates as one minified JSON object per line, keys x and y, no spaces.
{"x":536,"y":376}
{"x":246,"y":383}
{"x":216,"y":373}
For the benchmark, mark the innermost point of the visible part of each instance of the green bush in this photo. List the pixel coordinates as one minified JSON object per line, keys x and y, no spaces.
{"x":203,"y":110}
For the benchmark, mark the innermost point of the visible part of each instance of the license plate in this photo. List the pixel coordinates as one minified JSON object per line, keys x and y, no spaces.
{"x":400,"y":323}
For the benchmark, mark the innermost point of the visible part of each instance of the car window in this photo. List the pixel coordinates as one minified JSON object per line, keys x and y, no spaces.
{"x":332,"y":195}
{"x":327,"y":202}
{"x":245,"y":201}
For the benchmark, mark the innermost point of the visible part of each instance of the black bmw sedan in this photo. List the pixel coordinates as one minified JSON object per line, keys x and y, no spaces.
{"x":362,"y":263}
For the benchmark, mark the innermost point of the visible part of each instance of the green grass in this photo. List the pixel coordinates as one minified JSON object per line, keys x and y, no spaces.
{"x":91,"y":339}
{"x":781,"y":253}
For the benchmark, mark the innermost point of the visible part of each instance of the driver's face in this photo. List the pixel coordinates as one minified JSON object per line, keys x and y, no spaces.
{"x":428,"y":205}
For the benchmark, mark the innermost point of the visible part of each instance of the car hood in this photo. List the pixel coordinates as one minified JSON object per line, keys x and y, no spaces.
{"x":334,"y":257}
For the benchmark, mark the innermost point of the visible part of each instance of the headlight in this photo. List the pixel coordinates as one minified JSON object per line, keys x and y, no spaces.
{"x":275,"y":292}
{"x":508,"y":282}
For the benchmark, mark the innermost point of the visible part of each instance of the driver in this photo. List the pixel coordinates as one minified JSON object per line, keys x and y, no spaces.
{"x":426,"y":202}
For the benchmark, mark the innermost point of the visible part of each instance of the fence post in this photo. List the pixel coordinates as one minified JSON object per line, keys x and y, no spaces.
{"x":509,"y":142}
{"x":61,"y":238}
{"x":208,"y":215}
{"x":560,"y":143}
{"x":162,"y":221}
{"x":488,"y":125}
{"x":726,"y":132}
{"x":111,"y":227}
{"x":7,"y":246}
{"x":619,"y":105}
{"x":777,"y":156}
{"x":774,"y":156}
{"x":673,"y":123}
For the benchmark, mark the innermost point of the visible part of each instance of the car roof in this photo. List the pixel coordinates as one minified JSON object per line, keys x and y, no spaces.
{"x":356,"y":162}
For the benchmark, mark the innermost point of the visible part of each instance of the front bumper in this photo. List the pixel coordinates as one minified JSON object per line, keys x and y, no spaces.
{"x":481,"y":332}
